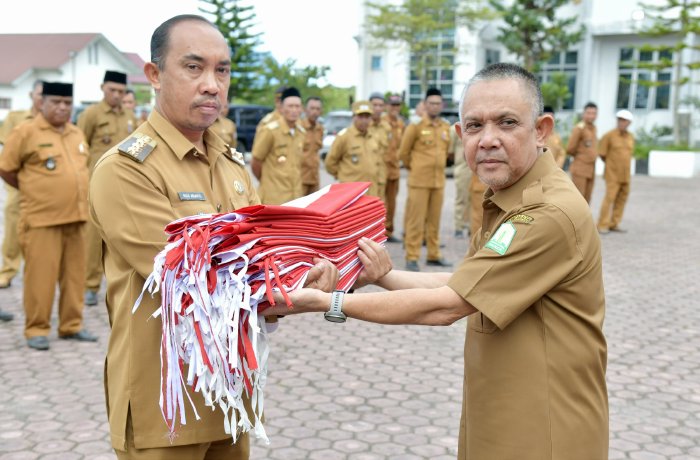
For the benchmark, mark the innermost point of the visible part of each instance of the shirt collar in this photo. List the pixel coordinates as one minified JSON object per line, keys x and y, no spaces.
{"x":512,"y":196}
{"x":106,"y":108}
{"x":177,"y":142}
{"x":44,"y":124}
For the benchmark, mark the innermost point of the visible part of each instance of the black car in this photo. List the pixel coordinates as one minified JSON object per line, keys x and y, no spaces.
{"x":246,"y":117}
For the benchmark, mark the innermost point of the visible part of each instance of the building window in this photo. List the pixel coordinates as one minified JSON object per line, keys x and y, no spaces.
{"x":93,"y":54}
{"x":376,"y":63}
{"x":566,"y":63}
{"x":493,"y":57}
{"x":436,"y":64}
{"x":5,"y":103}
{"x":642,"y":84}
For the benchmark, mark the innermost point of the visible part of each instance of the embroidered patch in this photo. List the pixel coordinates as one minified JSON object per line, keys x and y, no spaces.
{"x":500,"y":241}
{"x":521,"y":219}
{"x":137,"y":147}
{"x":191,"y":196}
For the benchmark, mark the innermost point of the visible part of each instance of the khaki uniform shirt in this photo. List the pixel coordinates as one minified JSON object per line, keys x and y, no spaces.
{"x":391,"y":156}
{"x":131,"y":203}
{"x":280,"y":149}
{"x":616,"y":150}
{"x":311,"y":161}
{"x":423,"y":151}
{"x":52,"y":172}
{"x":104,"y":127}
{"x":355,"y":157}
{"x":226,"y":130}
{"x":12,"y":120}
{"x":554,"y":145}
{"x":535,"y":354}
{"x":275,"y":115}
{"x":583,"y":147}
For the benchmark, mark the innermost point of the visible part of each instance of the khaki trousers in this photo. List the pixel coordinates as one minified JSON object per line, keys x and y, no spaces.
{"x":391,"y":190}
{"x":54,"y":254}
{"x":11,"y":253}
{"x":584,"y":185}
{"x":309,"y":188}
{"x":462,"y":176}
{"x":423,"y":209}
{"x":93,"y":258}
{"x":216,"y":450}
{"x":613,"y":205}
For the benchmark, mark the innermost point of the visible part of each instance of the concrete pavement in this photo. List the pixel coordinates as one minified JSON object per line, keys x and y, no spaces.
{"x":362,"y":391}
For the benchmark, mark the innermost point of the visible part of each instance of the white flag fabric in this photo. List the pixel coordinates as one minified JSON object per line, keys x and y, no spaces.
{"x":219,"y":271}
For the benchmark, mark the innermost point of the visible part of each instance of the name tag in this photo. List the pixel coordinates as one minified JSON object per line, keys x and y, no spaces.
{"x":191,"y":196}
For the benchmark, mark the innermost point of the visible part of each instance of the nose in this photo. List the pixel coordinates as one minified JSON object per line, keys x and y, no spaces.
{"x":489,"y":137}
{"x":209,"y":84}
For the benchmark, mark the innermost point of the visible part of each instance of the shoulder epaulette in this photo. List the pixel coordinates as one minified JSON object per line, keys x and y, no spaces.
{"x":581,"y":125}
{"x":266,"y":118}
{"x":235,"y":156}
{"x":272,"y":125}
{"x":342,"y":132}
{"x":301,"y":128}
{"x":137,"y":147}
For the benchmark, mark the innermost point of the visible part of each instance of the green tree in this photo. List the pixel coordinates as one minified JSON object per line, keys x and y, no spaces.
{"x":556,"y":91}
{"x":534,"y":32}
{"x":673,"y":18}
{"x":235,"y":21}
{"x":422,"y":27}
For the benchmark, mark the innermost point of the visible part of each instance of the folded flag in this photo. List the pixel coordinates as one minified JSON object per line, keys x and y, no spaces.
{"x":219,"y":271}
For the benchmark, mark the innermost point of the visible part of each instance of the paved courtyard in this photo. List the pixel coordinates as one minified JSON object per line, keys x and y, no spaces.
{"x":364,"y":392}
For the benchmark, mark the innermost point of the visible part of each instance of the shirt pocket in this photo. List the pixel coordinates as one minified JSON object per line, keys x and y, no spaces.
{"x":478,"y":322}
{"x":105,"y":134}
{"x":48,"y":161}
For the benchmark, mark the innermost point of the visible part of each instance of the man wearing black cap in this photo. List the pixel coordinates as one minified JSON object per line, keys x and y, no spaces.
{"x":46,"y":158}
{"x":104,"y":124}
{"x":424,"y":153}
{"x":278,"y":150}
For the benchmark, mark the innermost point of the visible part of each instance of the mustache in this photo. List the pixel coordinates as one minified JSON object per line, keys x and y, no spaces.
{"x":491,"y":156}
{"x":207,"y":101}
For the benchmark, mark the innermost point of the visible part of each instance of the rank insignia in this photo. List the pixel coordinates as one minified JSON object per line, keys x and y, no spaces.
{"x":137,"y":147}
{"x":521,"y":219}
{"x":236,"y":156}
{"x":50,"y":164}
{"x":282,"y":159}
{"x":238,"y":186}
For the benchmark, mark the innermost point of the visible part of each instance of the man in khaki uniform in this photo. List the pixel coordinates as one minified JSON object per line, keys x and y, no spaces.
{"x":46,"y":158}
{"x":11,"y":253}
{"x":129,"y":100}
{"x":553,"y":142}
{"x":226,"y":128}
{"x":355,"y":153}
{"x":276,"y":114}
{"x":531,"y":286}
{"x":393,"y":166}
{"x":104,"y":124}
{"x":423,"y":152}
{"x":277,"y":153}
{"x":476,"y":197}
{"x":173,"y":166}
{"x":616,"y":148}
{"x":381,"y":132}
{"x":583,"y":147}
{"x":310,"y":179}
{"x":462,"y":177}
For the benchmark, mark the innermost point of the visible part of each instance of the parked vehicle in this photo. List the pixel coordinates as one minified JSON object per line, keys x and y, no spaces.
{"x":246,"y":117}
{"x":334,"y":122}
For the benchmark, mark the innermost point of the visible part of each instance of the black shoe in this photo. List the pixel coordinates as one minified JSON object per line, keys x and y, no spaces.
{"x":40,"y":342}
{"x":394,"y":239}
{"x":4,"y":284}
{"x":81,"y":336}
{"x":412,"y":266}
{"x":618,"y":229}
{"x":425,"y":244}
{"x":6,"y":316}
{"x":459,"y":233}
{"x":90,"y":298}
{"x":438,"y":263}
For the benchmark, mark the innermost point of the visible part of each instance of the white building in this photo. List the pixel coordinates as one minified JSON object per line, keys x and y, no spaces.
{"x":80,"y":59}
{"x":600,"y":67}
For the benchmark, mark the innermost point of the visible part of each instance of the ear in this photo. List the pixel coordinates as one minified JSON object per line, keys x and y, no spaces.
{"x":543,"y":127}
{"x":458,"y":129}
{"x":152,"y":72}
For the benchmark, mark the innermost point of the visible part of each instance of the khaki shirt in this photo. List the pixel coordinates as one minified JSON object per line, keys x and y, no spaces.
{"x":131,"y":203}
{"x":391,"y":156}
{"x":226,"y":130}
{"x":355,"y":157}
{"x":12,"y":120}
{"x":275,"y":115}
{"x":52,"y":172}
{"x":535,"y":354}
{"x":554,"y":145}
{"x":311,"y":161}
{"x":583,"y":147}
{"x":423,"y":151}
{"x":616,"y":149}
{"x":104,"y":127}
{"x":280,"y":149}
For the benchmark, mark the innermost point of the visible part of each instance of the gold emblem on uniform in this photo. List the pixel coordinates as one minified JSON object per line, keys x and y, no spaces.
{"x":106,"y":140}
{"x":236,"y":156}
{"x":521,"y":219}
{"x":426,"y":132}
{"x":238,"y":186}
{"x":50,"y":164}
{"x":354,"y":158}
{"x":282,"y":159}
{"x":137,"y":147}
{"x":587,"y":143}
{"x":81,"y":148}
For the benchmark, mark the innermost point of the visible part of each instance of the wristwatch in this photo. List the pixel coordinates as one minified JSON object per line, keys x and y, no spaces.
{"x":335,"y":313}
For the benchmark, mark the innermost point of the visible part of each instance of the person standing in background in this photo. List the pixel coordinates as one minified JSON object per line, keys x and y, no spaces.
{"x":311,"y":162}
{"x":392,"y":163}
{"x":583,"y":147}
{"x":553,"y":142}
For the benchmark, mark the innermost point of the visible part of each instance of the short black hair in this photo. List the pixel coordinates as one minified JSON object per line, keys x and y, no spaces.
{"x":313,"y":98}
{"x":130,"y":91}
{"x":590,"y":105}
{"x":161,"y":36}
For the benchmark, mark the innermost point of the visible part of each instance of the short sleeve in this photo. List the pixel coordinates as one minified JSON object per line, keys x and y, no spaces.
{"x":262,"y":144}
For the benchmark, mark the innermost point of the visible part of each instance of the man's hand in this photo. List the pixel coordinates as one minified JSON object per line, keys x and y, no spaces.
{"x":324,"y":276}
{"x":375,"y":260}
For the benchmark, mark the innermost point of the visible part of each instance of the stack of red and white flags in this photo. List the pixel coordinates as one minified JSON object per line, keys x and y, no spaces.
{"x":219,"y":271}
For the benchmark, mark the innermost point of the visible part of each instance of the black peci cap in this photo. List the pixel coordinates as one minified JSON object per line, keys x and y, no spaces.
{"x":115,"y":77}
{"x":290,"y":92}
{"x":432,"y":92}
{"x":52,"y":88}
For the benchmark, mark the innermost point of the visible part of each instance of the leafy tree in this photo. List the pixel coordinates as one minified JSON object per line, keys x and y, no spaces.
{"x":235,"y":21}
{"x":556,"y":91}
{"x":673,"y":18}
{"x":422,"y":27}
{"x":534,"y":32}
